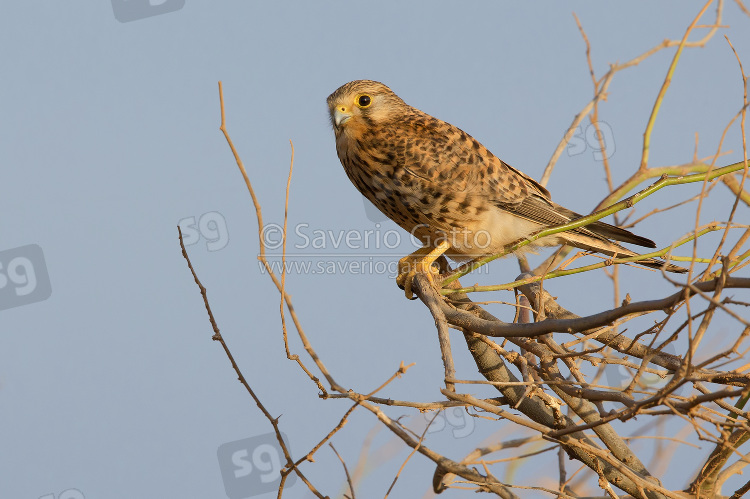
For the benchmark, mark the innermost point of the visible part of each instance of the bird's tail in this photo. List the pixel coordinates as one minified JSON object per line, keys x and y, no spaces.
{"x":613,"y":249}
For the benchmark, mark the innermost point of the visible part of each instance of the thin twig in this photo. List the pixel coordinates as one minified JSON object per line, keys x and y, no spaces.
{"x":218,"y":337}
{"x":346,"y":470}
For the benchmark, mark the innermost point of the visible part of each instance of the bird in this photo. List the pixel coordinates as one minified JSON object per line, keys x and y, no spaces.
{"x":447,"y":189}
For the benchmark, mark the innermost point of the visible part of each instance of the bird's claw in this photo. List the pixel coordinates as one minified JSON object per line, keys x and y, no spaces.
{"x":420,"y":262}
{"x":405,"y":279}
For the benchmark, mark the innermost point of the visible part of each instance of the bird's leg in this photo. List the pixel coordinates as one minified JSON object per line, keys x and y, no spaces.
{"x":407,"y":267}
{"x":419,"y":262}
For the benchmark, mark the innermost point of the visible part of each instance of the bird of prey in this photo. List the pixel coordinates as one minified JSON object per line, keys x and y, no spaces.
{"x":448,"y":190}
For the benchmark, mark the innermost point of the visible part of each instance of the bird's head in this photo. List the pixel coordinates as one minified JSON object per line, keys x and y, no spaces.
{"x":363,"y":104}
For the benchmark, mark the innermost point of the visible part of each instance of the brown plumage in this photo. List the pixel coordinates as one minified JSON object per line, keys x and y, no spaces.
{"x":437,"y":182}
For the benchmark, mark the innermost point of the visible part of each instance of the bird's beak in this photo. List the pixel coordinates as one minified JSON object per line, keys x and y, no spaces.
{"x":341,"y":116}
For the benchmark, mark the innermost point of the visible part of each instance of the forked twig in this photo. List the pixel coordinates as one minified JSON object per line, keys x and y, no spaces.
{"x":291,"y":466}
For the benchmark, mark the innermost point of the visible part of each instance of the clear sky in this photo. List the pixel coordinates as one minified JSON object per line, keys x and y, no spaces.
{"x":110,"y":385}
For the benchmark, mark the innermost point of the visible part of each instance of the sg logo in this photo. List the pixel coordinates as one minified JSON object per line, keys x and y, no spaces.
{"x":66,"y":494}
{"x":601,"y":141}
{"x":619,"y":376}
{"x":251,"y":466}
{"x":23,"y":276}
{"x":132,"y":10}
{"x":211,"y":226}
{"x":461,"y":423}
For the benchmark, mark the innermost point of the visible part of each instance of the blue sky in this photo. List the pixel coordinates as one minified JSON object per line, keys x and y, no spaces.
{"x":112,"y":387}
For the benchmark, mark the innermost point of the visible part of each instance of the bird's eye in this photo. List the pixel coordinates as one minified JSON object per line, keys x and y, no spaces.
{"x":364,"y":100}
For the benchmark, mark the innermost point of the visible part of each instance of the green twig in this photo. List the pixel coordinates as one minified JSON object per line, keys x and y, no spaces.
{"x":664,"y":87}
{"x":578,"y":270}
{"x":580,"y":222}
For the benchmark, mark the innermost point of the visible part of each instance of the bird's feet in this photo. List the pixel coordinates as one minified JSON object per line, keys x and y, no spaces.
{"x":405,"y":279}
{"x":419,"y":262}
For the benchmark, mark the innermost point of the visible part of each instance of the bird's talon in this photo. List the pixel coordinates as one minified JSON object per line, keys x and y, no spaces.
{"x":405,"y":280}
{"x":408,"y":291}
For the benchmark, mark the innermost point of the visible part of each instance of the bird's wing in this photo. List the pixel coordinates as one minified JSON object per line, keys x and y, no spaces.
{"x":443,"y":154}
{"x":446,"y":155}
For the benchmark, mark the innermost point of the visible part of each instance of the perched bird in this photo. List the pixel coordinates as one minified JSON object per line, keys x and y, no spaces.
{"x":448,"y":190}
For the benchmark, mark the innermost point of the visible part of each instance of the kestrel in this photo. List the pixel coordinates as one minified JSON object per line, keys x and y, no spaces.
{"x":448,"y":190}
